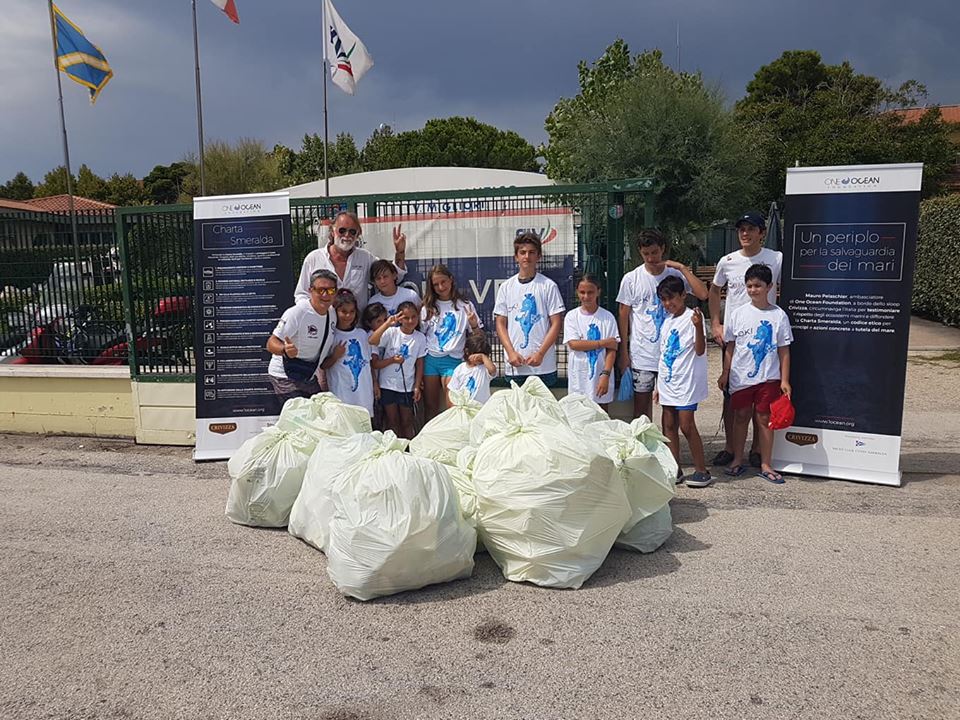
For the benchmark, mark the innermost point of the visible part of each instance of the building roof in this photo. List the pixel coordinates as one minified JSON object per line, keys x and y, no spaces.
{"x":16,"y":205}
{"x":950,"y":113}
{"x":419,"y":179}
{"x":61,"y":203}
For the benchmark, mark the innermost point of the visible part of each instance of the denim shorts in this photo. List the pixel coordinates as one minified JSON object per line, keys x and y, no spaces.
{"x":392,"y":397}
{"x":442,"y":366}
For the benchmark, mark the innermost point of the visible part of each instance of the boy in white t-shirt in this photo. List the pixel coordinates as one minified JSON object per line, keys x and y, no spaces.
{"x":756,"y":368}
{"x":476,"y":370}
{"x":682,"y":376}
{"x":384,"y":276}
{"x":641,"y":315}
{"x":529,"y":313}
{"x":752,"y":231}
{"x":402,"y":347}
{"x":590,"y":332}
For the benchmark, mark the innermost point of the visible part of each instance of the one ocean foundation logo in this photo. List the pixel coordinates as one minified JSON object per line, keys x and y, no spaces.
{"x":851,"y":181}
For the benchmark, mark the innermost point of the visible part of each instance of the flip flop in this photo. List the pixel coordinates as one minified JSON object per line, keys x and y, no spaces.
{"x":771,"y":476}
{"x":735,"y":471}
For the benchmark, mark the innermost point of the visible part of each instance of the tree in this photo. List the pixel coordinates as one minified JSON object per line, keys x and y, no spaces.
{"x":164,"y":185}
{"x":19,"y":188}
{"x":90,"y":185}
{"x":246,"y":167}
{"x":450,"y":142}
{"x":635,"y":117}
{"x":295,"y":168}
{"x":54,"y":183}
{"x":124,"y":190}
{"x":801,"y":110}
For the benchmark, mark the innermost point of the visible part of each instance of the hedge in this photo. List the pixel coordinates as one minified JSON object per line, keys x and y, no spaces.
{"x":936,"y":282}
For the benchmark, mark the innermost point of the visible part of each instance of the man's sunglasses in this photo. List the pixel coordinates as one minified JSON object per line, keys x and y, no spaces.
{"x":325,"y":291}
{"x":344,"y":231}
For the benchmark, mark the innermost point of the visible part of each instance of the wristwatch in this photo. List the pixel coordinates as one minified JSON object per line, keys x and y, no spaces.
{"x":604,"y":372}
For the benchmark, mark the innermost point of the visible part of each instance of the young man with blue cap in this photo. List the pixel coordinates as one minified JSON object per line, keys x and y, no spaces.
{"x":731,"y":272}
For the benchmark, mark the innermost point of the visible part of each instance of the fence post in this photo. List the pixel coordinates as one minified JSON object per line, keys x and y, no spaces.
{"x":615,"y":246}
{"x":128,"y":310}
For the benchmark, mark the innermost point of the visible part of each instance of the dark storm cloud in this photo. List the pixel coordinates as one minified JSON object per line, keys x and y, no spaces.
{"x":505,"y":63}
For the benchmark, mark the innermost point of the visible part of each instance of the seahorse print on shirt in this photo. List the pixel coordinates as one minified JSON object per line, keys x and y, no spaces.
{"x":657,"y":315}
{"x":472,"y":386}
{"x":354,"y":361}
{"x":593,"y":333}
{"x":528,"y":317}
{"x":671,"y":353}
{"x":404,"y":352}
{"x":446,"y":329}
{"x":763,"y":346}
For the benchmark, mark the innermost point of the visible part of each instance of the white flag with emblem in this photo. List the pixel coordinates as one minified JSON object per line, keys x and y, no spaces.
{"x":346,"y":55}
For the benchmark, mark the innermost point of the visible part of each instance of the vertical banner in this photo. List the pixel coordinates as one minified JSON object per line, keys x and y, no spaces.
{"x":849,"y":248}
{"x":244,"y":281}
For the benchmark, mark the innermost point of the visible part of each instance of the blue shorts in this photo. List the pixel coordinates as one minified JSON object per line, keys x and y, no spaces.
{"x":678,"y":408}
{"x":442,"y":366}
{"x":392,"y":397}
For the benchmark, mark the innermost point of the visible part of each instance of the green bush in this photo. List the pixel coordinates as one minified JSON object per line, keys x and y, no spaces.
{"x":936,"y":282}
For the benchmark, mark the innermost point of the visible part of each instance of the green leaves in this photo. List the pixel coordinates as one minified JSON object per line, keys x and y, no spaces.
{"x":936,"y":280}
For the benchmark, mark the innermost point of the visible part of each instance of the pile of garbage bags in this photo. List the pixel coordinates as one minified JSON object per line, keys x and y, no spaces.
{"x":547,"y":487}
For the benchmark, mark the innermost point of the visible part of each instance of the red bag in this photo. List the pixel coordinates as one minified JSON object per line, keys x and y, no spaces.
{"x":781,"y":413}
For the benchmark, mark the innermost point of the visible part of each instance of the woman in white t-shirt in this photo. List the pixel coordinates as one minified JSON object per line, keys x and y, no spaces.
{"x":348,"y":367}
{"x":302,"y":339}
{"x":590,"y":332}
{"x":446,"y":318}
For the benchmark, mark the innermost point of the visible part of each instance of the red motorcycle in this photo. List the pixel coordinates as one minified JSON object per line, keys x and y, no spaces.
{"x":164,"y":342}
{"x":65,"y":337}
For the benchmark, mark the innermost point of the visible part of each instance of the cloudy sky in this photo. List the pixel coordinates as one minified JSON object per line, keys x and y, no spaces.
{"x":505,"y":63}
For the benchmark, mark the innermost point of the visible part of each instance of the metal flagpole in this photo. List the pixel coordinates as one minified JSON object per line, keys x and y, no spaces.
{"x":66,"y":149}
{"x":196,"y":65}
{"x":326,"y":132}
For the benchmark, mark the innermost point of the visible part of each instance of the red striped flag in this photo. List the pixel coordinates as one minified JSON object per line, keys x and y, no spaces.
{"x":229,"y":7}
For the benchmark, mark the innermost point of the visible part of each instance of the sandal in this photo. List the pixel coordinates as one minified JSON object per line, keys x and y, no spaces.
{"x":679,"y":477}
{"x":700,"y":480}
{"x":755,"y":459}
{"x":724,"y":457}
{"x":771,"y":476}
{"x":735,"y":471}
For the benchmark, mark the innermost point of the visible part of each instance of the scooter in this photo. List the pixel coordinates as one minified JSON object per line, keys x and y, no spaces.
{"x":65,"y":337}
{"x":163,"y":340}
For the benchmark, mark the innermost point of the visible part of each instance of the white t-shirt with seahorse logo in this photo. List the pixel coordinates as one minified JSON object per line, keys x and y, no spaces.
{"x":682,"y":374}
{"x":638,"y":290}
{"x":584,"y":367}
{"x":446,"y":330}
{"x":350,"y":378}
{"x":528,"y":307}
{"x":757,"y":335}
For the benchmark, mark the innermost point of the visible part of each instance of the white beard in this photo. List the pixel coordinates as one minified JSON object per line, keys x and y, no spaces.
{"x":344,"y":245}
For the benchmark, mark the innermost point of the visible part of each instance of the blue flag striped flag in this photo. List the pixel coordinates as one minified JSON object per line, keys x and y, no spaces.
{"x":79,"y":58}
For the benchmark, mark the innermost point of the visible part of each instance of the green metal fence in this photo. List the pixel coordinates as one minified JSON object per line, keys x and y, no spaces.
{"x":156,"y":249}
{"x":60,"y":295}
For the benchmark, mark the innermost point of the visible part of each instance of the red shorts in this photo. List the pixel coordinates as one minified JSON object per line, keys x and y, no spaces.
{"x":759,"y":396}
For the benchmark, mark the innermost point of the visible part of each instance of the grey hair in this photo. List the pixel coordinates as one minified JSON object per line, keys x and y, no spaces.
{"x":346,"y":213}
{"x":323,"y":274}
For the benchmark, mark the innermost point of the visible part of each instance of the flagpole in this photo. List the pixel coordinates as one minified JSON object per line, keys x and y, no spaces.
{"x":326,"y":71}
{"x":66,"y":149}
{"x":196,"y":66}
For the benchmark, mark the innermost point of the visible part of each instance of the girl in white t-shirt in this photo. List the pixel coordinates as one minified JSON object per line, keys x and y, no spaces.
{"x":682,"y":376}
{"x":402,"y":347}
{"x":446,"y":318}
{"x":590,"y":332}
{"x":348,"y":367}
{"x":476,"y":370}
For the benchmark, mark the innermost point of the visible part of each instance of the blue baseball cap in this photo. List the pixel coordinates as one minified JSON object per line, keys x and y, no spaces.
{"x":754,"y":218}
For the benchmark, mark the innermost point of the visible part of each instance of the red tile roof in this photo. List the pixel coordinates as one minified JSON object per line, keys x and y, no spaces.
{"x":61,"y":203}
{"x":950,"y":113}
{"x":16,"y":205}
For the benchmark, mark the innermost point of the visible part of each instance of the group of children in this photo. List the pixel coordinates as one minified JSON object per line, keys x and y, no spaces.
{"x":399,"y":352}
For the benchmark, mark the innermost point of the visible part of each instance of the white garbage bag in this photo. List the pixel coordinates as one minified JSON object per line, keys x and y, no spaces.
{"x":266,"y":473}
{"x":581,"y":410}
{"x":311,"y":513}
{"x":443,"y":437}
{"x":549,"y":505}
{"x":648,"y":470}
{"x":533,"y":399}
{"x":324,"y":415}
{"x":396,"y":525}
{"x":650,"y":533}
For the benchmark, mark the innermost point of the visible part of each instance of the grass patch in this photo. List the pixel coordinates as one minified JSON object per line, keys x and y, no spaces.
{"x":949,"y":359}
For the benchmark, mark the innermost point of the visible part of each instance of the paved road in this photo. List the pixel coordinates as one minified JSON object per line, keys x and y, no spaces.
{"x":127,"y":594}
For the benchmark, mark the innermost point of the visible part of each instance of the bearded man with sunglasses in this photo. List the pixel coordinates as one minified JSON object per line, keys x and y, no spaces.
{"x":351,"y":264}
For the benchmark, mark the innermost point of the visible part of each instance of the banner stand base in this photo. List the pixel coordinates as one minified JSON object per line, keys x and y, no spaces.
{"x":874,"y":477}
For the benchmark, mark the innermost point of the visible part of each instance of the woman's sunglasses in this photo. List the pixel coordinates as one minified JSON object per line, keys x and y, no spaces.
{"x":325,"y":291}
